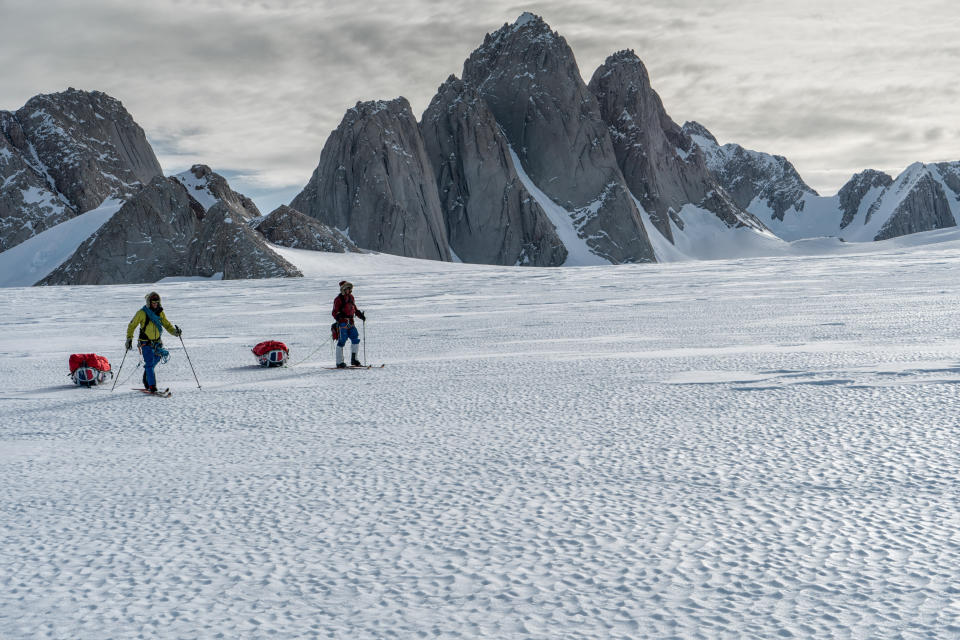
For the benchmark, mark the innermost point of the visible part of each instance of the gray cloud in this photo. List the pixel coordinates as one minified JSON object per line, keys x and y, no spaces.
{"x":253,"y":88}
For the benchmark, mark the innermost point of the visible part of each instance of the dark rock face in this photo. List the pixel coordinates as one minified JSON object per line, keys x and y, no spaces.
{"x":287,"y":227}
{"x":925,"y":208}
{"x":206,"y":186}
{"x":852,"y":193}
{"x":529,"y":79}
{"x":660,"y":163}
{"x":950,"y":173}
{"x":490,"y":216}
{"x":749,"y":175}
{"x":693,"y":128}
{"x":375,"y":181}
{"x":66,"y":153}
{"x":146,"y":240}
{"x":90,"y":145}
{"x":225,"y":244}
{"x":29,"y":203}
{"x":163,"y":232}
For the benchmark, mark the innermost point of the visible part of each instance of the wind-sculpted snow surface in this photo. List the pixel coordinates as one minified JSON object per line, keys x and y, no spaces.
{"x":723,"y":449}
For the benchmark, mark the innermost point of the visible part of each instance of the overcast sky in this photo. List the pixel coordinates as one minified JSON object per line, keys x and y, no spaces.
{"x":253,"y":88}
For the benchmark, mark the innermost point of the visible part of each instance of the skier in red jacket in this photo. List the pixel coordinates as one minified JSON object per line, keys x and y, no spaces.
{"x":344,"y":310}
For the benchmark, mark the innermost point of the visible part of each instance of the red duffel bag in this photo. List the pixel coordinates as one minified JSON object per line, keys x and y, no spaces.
{"x":89,"y":369}
{"x":271,"y":353}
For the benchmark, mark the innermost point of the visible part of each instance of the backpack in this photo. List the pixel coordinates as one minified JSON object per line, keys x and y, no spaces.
{"x":89,"y":369}
{"x":271,"y":353}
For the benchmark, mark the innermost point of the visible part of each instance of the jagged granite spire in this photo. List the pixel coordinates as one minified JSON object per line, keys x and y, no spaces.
{"x":490,"y":216}
{"x":662,"y":166}
{"x":375,"y":181}
{"x":529,"y":78}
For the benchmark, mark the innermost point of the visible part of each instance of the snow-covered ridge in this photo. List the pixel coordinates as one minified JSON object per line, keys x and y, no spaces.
{"x":771,"y":175}
{"x":871,"y":206}
{"x":32,"y":260}
{"x":198,"y":186}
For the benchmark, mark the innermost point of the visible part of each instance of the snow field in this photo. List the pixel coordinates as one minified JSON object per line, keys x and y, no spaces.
{"x":744,"y":449}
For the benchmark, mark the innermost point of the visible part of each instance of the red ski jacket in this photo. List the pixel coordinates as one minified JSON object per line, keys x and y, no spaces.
{"x":344,"y":308}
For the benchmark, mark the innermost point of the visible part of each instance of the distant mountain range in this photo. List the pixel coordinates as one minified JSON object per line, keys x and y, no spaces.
{"x":516,"y":162}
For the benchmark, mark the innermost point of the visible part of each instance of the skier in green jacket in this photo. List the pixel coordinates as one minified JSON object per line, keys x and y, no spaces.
{"x":152,"y":321}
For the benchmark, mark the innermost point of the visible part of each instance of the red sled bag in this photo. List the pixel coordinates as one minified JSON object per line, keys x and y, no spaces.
{"x":89,"y":369}
{"x":271,"y":353}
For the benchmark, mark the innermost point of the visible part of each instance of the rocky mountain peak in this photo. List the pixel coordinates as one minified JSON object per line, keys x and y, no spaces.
{"x":660,"y":163}
{"x":752,"y":176}
{"x":208,"y":187}
{"x":921,"y":203}
{"x":628,"y":62}
{"x":526,"y":18}
{"x":950,"y":174}
{"x":490,"y":216}
{"x":527,"y":25}
{"x":528,"y":46}
{"x":375,"y":180}
{"x":451,"y":94}
{"x":90,"y":144}
{"x":693,"y":128}
{"x":852,"y":193}
{"x":370,"y":109}
{"x":180,"y":241}
{"x":622,"y":87}
{"x":63,"y":154}
{"x":528,"y":77}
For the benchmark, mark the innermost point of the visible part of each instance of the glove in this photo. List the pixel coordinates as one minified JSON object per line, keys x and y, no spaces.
{"x":128,"y":344}
{"x":361,"y":315}
{"x":178,"y":331}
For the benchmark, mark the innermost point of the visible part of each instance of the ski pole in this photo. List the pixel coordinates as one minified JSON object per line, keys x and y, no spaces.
{"x":307,"y":357}
{"x":188,"y":357}
{"x":364,"y":341}
{"x":132,"y":373}
{"x":119,"y":370}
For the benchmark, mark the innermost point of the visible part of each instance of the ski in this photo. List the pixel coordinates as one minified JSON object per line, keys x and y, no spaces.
{"x":160,"y":393}
{"x":363,"y":366}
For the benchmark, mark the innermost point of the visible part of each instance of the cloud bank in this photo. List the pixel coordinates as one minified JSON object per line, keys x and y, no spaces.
{"x":254,"y":88}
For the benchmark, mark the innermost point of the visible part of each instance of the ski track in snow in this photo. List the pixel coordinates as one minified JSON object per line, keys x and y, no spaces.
{"x":743,"y":449}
